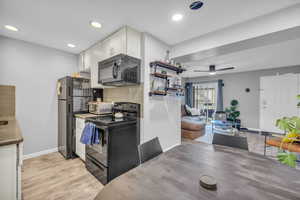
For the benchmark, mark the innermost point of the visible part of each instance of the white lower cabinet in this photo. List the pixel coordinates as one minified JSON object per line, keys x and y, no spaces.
{"x":10,"y":171}
{"x":80,"y":148}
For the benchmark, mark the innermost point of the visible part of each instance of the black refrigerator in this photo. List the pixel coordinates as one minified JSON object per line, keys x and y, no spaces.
{"x":73,"y":97}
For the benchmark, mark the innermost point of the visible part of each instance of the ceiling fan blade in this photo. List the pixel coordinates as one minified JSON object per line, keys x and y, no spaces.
{"x":224,"y":69}
{"x":201,"y":71}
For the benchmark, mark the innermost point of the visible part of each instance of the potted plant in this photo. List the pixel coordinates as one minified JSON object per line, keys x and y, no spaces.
{"x":233,"y":113}
{"x":291,"y":127}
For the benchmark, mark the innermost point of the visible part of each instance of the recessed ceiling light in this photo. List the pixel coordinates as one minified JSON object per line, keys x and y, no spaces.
{"x":11,"y":28}
{"x":95,"y":24}
{"x":71,"y":45}
{"x":177,"y":17}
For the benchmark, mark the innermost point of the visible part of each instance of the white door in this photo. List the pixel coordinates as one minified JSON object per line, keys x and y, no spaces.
{"x":277,"y":100}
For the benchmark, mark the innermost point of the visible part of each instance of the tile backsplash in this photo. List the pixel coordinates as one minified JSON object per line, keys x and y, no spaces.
{"x":132,"y":94}
{"x":7,"y":100}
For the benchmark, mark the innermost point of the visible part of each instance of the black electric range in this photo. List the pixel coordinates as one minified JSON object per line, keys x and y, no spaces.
{"x":118,"y":149}
{"x":110,"y":120}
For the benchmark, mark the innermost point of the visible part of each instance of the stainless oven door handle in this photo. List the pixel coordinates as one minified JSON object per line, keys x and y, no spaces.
{"x":105,"y":130}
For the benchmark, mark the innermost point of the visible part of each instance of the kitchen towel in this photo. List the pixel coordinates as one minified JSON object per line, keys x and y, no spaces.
{"x":90,"y":134}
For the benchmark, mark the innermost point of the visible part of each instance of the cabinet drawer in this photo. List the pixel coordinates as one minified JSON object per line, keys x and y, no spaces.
{"x":80,"y":123}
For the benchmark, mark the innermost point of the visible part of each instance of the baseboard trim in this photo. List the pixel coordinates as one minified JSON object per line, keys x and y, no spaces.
{"x":40,"y":153}
{"x":167,"y":149}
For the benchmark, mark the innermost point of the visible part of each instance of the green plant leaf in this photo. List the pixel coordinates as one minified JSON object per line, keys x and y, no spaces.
{"x":234,"y":102}
{"x":298,"y":96}
{"x":288,"y":159}
{"x":281,"y":156}
{"x":237,"y":114}
{"x":232,"y":108}
{"x":289,"y":124}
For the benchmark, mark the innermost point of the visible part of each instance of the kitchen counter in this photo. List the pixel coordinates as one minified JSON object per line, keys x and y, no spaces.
{"x":85,"y":115}
{"x":10,"y":133}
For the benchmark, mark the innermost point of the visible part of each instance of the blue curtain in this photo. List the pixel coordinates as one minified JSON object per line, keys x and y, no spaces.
{"x":189,"y":94}
{"x":220,"y":96}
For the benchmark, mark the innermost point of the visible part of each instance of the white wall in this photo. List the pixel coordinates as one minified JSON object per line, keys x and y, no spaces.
{"x":162,"y":116}
{"x":277,"y":21}
{"x":34,"y":70}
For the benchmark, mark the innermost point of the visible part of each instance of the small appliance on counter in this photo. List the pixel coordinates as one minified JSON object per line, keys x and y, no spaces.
{"x":100,"y":108}
{"x":120,"y":70}
{"x":97,"y":94}
{"x":117,"y":152}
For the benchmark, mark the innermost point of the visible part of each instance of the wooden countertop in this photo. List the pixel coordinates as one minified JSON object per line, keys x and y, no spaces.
{"x":10,"y":133}
{"x":175,"y":175}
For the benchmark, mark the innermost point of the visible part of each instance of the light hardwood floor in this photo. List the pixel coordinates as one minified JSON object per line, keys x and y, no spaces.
{"x":51,"y":177}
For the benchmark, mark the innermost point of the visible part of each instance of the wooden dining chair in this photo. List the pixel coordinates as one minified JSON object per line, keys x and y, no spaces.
{"x":149,"y":150}
{"x":231,"y":141}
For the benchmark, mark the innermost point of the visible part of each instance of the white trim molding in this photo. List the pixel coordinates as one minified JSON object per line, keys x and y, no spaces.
{"x":169,"y":148}
{"x":40,"y":153}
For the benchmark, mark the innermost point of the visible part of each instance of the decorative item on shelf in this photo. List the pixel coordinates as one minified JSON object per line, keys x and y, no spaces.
{"x":178,"y":65}
{"x":157,"y":92}
{"x":167,"y":58}
{"x":298,"y":97}
{"x":172,"y":62}
{"x":160,"y":75}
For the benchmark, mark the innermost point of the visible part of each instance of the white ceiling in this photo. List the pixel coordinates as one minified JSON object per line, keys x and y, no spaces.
{"x":55,"y":23}
{"x":282,"y":54}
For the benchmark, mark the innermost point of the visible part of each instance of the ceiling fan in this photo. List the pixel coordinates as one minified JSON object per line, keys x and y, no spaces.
{"x":212,"y":69}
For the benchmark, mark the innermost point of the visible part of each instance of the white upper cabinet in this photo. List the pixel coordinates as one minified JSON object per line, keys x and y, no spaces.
{"x":134,"y":39}
{"x":97,"y":54}
{"x":124,"y":41}
{"x":85,"y":61}
{"x":81,"y":61}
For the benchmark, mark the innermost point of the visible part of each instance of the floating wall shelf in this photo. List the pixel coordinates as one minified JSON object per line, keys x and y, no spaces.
{"x":159,"y":93}
{"x":160,"y":75}
{"x":166,"y":88}
{"x":178,"y":70}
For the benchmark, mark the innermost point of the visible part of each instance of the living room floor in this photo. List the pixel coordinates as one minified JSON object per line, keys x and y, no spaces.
{"x":255,"y":143}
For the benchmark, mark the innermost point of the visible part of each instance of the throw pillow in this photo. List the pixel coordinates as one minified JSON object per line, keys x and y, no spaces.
{"x":188,"y":110}
{"x":195,"y":112}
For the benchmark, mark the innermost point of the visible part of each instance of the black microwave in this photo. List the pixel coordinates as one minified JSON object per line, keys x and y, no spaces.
{"x":119,"y":70}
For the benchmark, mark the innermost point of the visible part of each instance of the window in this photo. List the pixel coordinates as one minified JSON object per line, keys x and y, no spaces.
{"x":204,"y":98}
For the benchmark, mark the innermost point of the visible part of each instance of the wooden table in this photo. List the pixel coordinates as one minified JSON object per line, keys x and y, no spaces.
{"x":175,"y":175}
